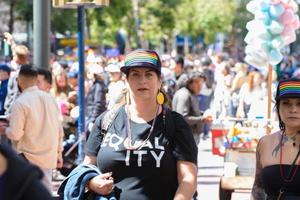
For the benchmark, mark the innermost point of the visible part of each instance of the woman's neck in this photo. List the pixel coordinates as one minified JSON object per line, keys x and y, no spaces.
{"x":291,"y":132}
{"x":143,"y":111}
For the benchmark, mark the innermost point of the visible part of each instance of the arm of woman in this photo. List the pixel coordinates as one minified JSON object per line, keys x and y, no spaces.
{"x":101,"y":184}
{"x":187,"y":180}
{"x":91,"y":160}
{"x":257,"y":192}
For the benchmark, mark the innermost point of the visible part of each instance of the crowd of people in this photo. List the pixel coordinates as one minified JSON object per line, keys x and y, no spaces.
{"x":145,"y":115}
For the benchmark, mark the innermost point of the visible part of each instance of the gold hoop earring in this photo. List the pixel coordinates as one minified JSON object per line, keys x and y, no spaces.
{"x":160,"y":98}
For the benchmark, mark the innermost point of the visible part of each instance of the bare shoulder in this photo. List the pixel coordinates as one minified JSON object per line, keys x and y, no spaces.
{"x":270,"y":138}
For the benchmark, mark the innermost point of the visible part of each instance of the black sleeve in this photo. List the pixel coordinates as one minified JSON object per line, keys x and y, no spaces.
{"x":95,"y":138}
{"x":185,"y":148}
{"x":37,"y":191}
{"x":99,"y":105}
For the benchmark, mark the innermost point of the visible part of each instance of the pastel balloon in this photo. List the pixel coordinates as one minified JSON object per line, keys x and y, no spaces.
{"x":252,"y":6}
{"x":255,"y":25}
{"x":277,"y":42}
{"x":288,"y":30}
{"x":265,"y":35}
{"x":259,"y":55}
{"x":275,"y":1}
{"x":249,"y":38}
{"x":294,"y":6}
{"x":276,"y":10}
{"x":287,"y":17}
{"x":263,"y":16}
{"x":264,"y":7}
{"x":276,"y":27}
{"x":296,"y":23}
{"x":289,"y":38}
{"x":275,"y":57}
{"x":250,"y":60}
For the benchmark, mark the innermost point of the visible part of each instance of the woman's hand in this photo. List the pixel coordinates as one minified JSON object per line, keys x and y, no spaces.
{"x":102,"y":184}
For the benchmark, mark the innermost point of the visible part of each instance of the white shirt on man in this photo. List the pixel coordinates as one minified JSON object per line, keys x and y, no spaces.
{"x":35,"y":128}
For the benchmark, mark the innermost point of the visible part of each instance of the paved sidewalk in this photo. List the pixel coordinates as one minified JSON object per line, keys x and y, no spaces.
{"x":210,"y":170}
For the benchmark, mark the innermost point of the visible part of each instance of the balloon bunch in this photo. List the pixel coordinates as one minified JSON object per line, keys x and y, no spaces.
{"x":272,"y":28}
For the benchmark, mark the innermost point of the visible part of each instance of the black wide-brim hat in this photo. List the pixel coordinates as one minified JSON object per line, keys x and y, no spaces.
{"x":288,"y":88}
{"x":142,"y":58}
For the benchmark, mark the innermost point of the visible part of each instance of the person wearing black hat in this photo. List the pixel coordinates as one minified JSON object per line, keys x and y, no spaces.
{"x":277,"y":155}
{"x":147,"y":151}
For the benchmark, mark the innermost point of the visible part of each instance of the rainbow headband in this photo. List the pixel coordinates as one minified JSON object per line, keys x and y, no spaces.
{"x":289,"y":88}
{"x":141,"y":57}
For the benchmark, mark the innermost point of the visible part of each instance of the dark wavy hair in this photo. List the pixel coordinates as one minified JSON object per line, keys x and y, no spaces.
{"x":281,"y":124}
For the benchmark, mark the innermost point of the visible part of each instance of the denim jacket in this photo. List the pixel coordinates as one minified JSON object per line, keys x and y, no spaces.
{"x":73,"y":187}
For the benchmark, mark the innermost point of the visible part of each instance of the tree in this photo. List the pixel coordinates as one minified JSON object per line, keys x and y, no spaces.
{"x":64,"y":21}
{"x":157,"y":19}
{"x":205,"y":17}
{"x":105,"y":22}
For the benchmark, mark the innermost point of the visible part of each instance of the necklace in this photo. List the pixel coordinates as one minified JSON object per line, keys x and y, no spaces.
{"x":292,"y":171}
{"x":290,"y":138}
{"x":128,"y":141}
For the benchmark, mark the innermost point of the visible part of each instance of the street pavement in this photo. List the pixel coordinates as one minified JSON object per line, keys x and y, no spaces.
{"x":210,"y":170}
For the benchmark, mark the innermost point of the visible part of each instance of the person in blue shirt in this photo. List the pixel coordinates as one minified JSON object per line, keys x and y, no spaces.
{"x":4,"y":76}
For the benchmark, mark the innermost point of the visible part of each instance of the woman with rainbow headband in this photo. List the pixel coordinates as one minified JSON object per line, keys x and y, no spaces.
{"x":147,"y":152}
{"x":277,"y":155}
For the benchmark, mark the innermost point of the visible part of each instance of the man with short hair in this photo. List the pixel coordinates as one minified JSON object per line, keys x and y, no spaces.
{"x":34,"y":125}
{"x":44,"y":80}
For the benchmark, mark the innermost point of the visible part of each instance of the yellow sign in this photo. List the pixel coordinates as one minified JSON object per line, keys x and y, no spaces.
{"x":73,"y":42}
{"x":75,"y":3}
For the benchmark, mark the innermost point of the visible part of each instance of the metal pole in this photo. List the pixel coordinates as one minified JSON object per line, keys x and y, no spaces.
{"x":81,"y":120}
{"x":41,"y":30}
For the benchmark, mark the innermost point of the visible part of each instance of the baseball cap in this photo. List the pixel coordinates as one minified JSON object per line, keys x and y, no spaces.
{"x":113,"y":67}
{"x":5,"y":67}
{"x":142,"y":58}
{"x":96,"y":69}
{"x":72,"y":74}
{"x":288,"y":88}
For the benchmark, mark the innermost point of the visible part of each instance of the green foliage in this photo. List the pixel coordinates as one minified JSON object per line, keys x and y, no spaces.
{"x":207,"y":17}
{"x":107,"y":21}
{"x":64,"y":21}
{"x":24,"y":10}
{"x":242,"y":17}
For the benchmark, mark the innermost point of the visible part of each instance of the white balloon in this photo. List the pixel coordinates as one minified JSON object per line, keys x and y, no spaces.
{"x":252,"y":6}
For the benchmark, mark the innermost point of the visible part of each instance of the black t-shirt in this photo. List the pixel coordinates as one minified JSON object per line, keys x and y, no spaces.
{"x":148,"y":173}
{"x":1,"y":187}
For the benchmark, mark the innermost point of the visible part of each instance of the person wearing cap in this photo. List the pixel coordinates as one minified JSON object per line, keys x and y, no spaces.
{"x":138,"y":156}
{"x":277,"y":155}
{"x":95,"y":100}
{"x":4,"y":77}
{"x":116,"y":85}
{"x":186,"y":103}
